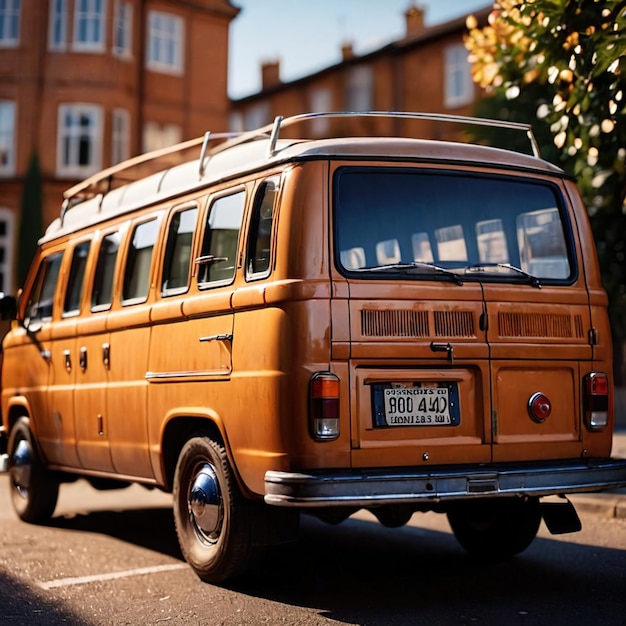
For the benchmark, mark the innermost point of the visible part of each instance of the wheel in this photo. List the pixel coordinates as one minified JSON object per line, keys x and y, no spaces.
{"x":214,"y":523}
{"x":495,"y":529}
{"x":34,"y":490}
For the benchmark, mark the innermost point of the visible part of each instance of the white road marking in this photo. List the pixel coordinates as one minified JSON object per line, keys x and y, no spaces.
{"x":82,"y":580}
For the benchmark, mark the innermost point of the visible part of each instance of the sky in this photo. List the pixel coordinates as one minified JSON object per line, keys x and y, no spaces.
{"x":306,"y":35}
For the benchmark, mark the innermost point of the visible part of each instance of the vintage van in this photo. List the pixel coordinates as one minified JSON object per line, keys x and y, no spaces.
{"x":281,"y":325}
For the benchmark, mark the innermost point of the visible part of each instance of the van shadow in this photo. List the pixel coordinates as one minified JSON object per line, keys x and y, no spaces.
{"x":150,"y":528}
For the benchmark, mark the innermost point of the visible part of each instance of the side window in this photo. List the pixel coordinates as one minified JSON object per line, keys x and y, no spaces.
{"x":102,"y":294}
{"x":177,"y":261}
{"x":139,"y":261}
{"x":74,"y":292}
{"x":41,"y":298}
{"x":259,"y":239}
{"x":221,"y":236}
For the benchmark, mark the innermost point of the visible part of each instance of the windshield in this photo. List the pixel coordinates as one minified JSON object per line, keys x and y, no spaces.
{"x":477,"y":227}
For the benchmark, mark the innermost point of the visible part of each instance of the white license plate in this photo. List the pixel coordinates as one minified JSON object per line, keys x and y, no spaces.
{"x":417,"y":406}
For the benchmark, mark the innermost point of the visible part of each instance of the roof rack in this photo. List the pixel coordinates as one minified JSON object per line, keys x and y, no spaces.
{"x":103,"y":181}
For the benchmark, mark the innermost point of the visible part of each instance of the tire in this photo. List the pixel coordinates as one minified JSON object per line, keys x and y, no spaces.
{"x":34,"y":490}
{"x":495,"y":529}
{"x":214,"y":523}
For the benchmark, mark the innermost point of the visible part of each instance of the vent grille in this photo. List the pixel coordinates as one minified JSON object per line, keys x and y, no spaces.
{"x":394,"y":323}
{"x":454,"y":324}
{"x":539,"y":325}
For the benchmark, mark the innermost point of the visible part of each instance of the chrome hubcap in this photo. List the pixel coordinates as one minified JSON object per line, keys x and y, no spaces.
{"x":20,"y":468}
{"x":205,"y":503}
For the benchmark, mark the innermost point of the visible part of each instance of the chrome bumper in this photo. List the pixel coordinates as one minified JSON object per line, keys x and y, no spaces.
{"x":371,"y":487}
{"x":4,"y":463}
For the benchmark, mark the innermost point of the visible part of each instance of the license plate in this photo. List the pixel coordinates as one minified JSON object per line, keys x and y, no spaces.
{"x":416,"y":405}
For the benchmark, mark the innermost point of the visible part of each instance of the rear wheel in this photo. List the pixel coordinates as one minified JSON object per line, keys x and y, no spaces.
{"x":495,"y":529}
{"x":34,"y":490}
{"x":214,"y":522}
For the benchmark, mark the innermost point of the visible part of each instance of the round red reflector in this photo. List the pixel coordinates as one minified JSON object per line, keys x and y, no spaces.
{"x":539,"y":407}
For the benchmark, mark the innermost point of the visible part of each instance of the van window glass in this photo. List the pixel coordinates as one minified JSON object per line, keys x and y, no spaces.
{"x":259,"y":249}
{"x":41,"y":299}
{"x":482,"y":227}
{"x":218,"y":259}
{"x":102,"y":294}
{"x":74,"y":292}
{"x":178,"y":251}
{"x":139,"y":261}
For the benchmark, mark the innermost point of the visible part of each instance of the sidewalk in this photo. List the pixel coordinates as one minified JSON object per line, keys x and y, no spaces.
{"x":609,"y":503}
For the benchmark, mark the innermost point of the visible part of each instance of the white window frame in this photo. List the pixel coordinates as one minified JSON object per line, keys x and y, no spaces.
{"x":123,"y":29}
{"x":57,"y":25}
{"x":8,"y":119}
{"x":157,"y":136}
{"x":164,"y":44}
{"x":458,"y":84}
{"x":94,"y":13}
{"x":120,"y":136}
{"x":6,"y":241}
{"x":10,"y":23}
{"x":69,"y":139}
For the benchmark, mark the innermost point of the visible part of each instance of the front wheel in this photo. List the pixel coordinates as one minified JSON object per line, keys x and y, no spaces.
{"x":495,"y":529}
{"x":214,"y":522}
{"x":34,"y":490}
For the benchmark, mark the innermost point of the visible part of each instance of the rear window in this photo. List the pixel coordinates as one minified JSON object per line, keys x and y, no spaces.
{"x":423,"y":221}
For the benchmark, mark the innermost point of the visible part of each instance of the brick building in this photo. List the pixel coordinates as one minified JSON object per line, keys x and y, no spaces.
{"x":426,"y":70}
{"x":85,"y":84}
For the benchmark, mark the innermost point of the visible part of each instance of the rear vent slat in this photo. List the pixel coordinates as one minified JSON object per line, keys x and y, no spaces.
{"x":454,"y":324}
{"x":539,"y":325}
{"x":394,"y":323}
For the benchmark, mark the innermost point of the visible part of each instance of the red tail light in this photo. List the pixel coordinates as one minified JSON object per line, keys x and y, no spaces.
{"x":596,"y":400}
{"x":324,"y":406}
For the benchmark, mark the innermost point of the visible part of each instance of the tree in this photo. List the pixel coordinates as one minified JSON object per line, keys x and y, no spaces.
{"x":562,"y":61}
{"x":31,"y":221}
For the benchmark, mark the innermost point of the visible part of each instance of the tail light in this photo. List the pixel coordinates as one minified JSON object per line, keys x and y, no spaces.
{"x":324,"y":406}
{"x":596,"y":400}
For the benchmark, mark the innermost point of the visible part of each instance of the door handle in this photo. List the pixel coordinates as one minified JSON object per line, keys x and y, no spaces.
{"x":82,"y":358}
{"x":443,"y":347}
{"x":106,"y":354}
{"x":68,"y":361}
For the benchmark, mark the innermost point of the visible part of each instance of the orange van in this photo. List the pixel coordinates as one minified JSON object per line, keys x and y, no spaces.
{"x":282,"y":326}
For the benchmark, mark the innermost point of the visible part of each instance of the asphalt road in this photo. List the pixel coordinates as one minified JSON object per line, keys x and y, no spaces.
{"x":111,"y":558}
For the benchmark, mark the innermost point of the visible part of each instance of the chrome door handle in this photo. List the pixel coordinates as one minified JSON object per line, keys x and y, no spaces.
{"x":82,"y":359}
{"x":68,"y":361}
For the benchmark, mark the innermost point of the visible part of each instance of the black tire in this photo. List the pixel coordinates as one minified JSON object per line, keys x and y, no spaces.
{"x":495,"y":529}
{"x":34,"y":489}
{"x":214,"y":523}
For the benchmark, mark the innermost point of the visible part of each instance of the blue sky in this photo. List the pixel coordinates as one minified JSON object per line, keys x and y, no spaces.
{"x":306,"y":35}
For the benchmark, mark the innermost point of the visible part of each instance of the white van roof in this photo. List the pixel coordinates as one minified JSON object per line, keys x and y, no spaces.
{"x":101,"y":196}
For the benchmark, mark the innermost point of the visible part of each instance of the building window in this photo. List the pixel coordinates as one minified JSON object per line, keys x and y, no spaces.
{"x":89,"y":20}
{"x":321,"y":102}
{"x":156,"y":136}
{"x":122,"y":29}
{"x":120,"y":150}
{"x":359,"y":95}
{"x":7,"y":137}
{"x":9,"y":23}
{"x":257,"y":115}
{"x":79,"y":139}
{"x":165,"y":43}
{"x":6,"y":250}
{"x":459,"y":89}
{"x":58,"y":25}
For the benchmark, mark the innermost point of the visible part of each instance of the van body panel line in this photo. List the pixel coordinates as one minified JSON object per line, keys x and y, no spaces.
{"x":414,"y":486}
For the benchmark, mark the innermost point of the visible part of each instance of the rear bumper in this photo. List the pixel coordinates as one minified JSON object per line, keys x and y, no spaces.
{"x":373,"y":487}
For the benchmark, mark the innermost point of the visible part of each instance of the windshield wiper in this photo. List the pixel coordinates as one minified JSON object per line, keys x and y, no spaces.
{"x":409,"y":267}
{"x":480,"y":267}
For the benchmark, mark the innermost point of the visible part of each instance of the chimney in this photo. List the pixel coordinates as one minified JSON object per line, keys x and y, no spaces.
{"x":270,"y":74}
{"x":414,"y":16}
{"x":347,"y":52}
